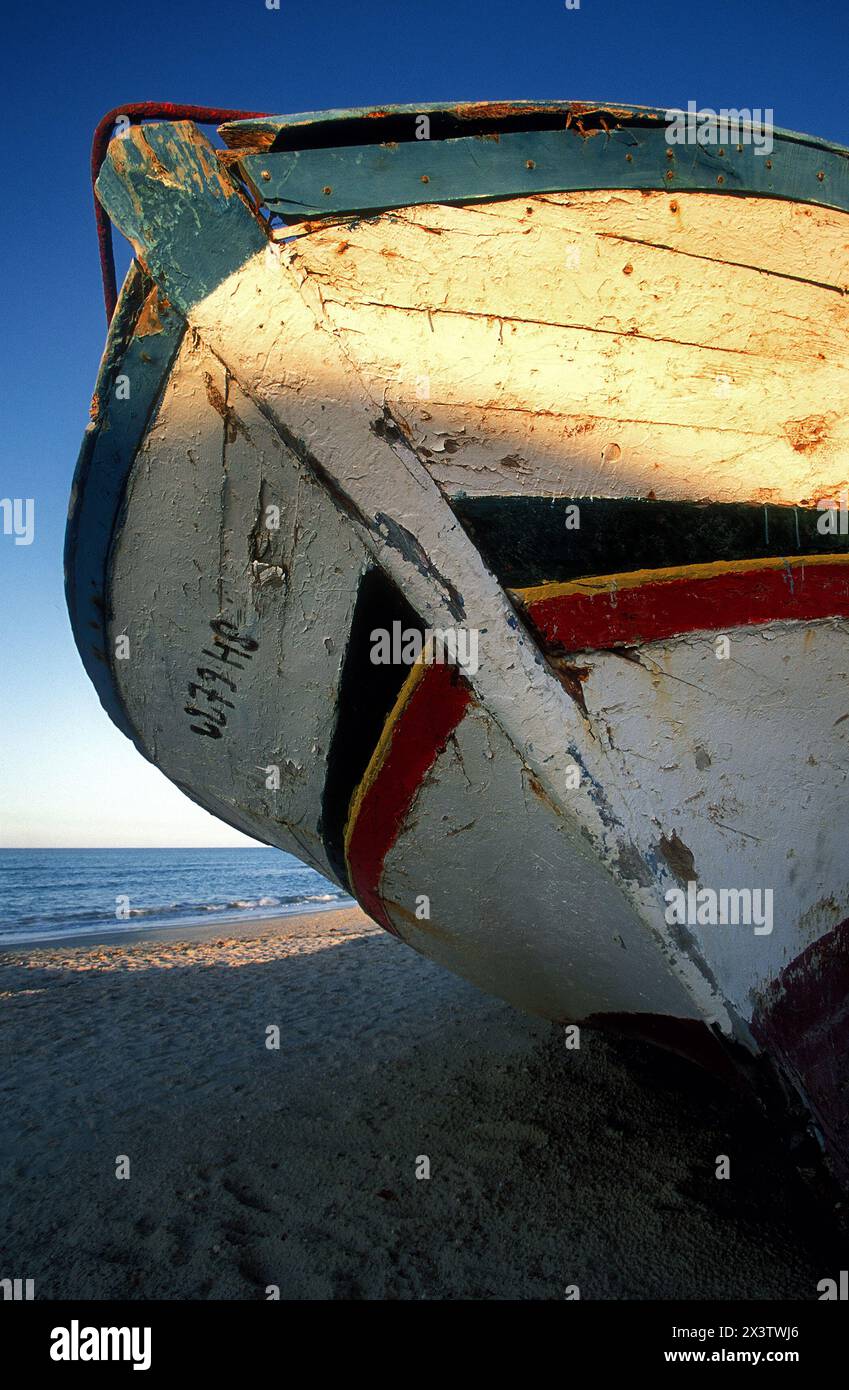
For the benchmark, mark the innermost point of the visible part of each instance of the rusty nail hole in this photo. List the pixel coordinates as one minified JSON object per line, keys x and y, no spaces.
{"x":820,"y":175}
{"x":327,"y":190}
{"x":628,"y":269}
{"x":739,"y":149}
{"x":530,"y":164}
{"x":670,"y":174}
{"x":673,"y":206}
{"x":720,"y":178}
{"x":769,"y":164}
{"x":425,"y":178}
{"x":265,"y":175}
{"x":629,"y":158}
{"x":670,"y":154}
{"x":722,"y":151}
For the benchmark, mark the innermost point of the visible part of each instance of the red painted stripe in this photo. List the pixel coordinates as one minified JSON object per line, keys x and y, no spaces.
{"x":712,"y":603}
{"x":579,"y":622}
{"x":422,"y":730}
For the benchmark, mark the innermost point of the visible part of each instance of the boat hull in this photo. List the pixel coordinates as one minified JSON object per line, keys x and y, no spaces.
{"x":569,"y":431}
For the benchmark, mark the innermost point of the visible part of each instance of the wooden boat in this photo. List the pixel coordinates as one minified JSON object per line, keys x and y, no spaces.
{"x":543,"y":380}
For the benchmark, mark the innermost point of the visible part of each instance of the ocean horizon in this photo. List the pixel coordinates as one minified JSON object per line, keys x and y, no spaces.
{"x":51,"y":894}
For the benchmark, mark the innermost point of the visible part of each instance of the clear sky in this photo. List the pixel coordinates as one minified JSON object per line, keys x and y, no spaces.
{"x":67,"y":777}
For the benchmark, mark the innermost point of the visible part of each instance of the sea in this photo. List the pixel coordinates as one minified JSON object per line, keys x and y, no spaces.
{"x":48,"y":894}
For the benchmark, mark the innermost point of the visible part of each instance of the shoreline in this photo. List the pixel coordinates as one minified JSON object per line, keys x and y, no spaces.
{"x":186,"y":929}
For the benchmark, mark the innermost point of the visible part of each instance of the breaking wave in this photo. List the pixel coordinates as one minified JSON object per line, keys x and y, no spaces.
{"x":54,"y":894}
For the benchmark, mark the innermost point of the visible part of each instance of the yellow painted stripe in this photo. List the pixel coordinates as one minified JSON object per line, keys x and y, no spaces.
{"x":633,"y":579}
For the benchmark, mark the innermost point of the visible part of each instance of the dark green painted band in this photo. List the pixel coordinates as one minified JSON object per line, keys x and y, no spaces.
{"x":528,"y":540}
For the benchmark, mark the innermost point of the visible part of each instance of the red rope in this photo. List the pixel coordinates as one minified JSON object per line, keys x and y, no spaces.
{"x":141,"y":111}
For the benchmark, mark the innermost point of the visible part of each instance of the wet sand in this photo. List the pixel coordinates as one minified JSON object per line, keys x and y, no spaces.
{"x":252,"y":1167}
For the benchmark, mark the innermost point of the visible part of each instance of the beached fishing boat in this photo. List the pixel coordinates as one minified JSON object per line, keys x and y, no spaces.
{"x":559,"y":406}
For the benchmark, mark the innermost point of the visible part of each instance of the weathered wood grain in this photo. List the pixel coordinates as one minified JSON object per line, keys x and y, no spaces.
{"x":530,"y":345}
{"x":196,"y":546}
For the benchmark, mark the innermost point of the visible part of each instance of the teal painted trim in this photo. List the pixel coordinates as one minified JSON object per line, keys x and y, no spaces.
{"x":108,"y":451}
{"x":163,"y":187}
{"x":240,"y":134}
{"x":310,"y":183}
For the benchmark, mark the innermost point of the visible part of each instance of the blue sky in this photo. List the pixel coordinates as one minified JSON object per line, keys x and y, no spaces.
{"x":67,"y":777}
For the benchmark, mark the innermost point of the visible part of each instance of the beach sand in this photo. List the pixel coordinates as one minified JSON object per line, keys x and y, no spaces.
{"x":296,"y":1167}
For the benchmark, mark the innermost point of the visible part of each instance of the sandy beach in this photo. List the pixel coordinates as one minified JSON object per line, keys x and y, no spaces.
{"x":295,"y":1167}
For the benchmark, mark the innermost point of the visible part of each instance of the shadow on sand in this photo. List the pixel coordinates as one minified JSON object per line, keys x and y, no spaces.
{"x":296,"y":1167}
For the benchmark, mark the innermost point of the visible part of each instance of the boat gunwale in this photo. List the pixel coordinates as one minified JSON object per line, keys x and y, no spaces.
{"x":489,"y":159}
{"x":623,"y":114}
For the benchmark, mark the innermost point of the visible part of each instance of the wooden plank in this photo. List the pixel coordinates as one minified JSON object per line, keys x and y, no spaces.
{"x":545,"y":369}
{"x":261,"y":132}
{"x":527,"y":351}
{"x":595,"y":273}
{"x":797,"y":240}
{"x":574,"y":238}
{"x":307,"y":183}
{"x":165,"y":190}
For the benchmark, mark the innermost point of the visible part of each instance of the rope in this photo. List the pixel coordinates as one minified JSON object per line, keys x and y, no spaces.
{"x":141,"y":111}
